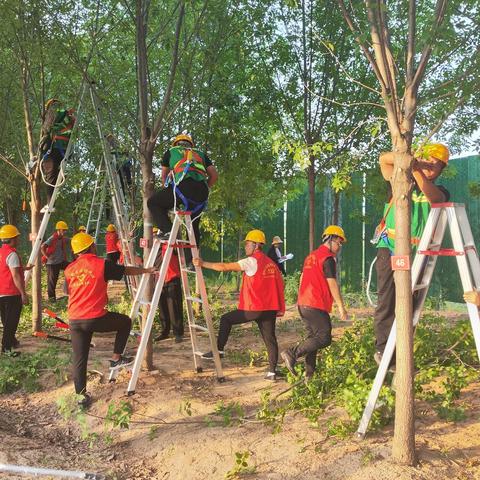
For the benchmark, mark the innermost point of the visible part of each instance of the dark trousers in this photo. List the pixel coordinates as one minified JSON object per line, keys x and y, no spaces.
{"x":385,"y":311}
{"x":81,"y":332}
{"x":51,"y":168}
{"x":171,"y":308}
{"x":10,"y":309}
{"x":266,"y":323}
{"x":53,"y":271}
{"x":319,"y":335}
{"x":113,"y":256}
{"x":162,"y":201}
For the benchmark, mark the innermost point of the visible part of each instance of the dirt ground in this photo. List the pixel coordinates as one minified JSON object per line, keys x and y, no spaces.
{"x":164,"y":442}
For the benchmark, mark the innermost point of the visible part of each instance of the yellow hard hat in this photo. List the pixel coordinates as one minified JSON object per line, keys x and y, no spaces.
{"x":256,"y":236}
{"x":8,"y":231}
{"x":81,"y":241}
{"x":276,"y":239}
{"x":50,"y":101}
{"x":155,"y":230}
{"x":334,"y":230}
{"x":183,"y":136}
{"x":438,"y":151}
{"x":61,"y":225}
{"x":111,"y":228}
{"x":82,"y":228}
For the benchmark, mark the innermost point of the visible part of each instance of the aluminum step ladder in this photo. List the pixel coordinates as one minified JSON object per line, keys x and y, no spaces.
{"x":120,"y":205}
{"x":97,"y":207}
{"x":174,"y":242}
{"x":429,"y":249}
{"x":38,"y":240}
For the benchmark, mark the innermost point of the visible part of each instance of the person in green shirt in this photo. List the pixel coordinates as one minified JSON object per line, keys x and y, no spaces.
{"x":428,"y":165}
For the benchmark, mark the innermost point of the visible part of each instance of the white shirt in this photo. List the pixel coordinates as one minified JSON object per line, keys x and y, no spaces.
{"x":249,"y":265}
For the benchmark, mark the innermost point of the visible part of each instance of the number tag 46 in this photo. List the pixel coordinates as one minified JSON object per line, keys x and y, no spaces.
{"x":400,"y":262}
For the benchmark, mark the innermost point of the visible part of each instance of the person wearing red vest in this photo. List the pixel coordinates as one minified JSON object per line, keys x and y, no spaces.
{"x":112,"y":244}
{"x":318,"y":289}
{"x":87,"y":278}
{"x":170,"y":306}
{"x":55,"y":253}
{"x":261,"y":297}
{"x":12,"y":287}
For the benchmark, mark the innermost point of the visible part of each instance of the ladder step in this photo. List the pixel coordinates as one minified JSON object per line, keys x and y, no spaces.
{"x":198,"y":353}
{"x":420,"y":286}
{"x":187,"y":270}
{"x":444,"y":252}
{"x":194,"y":299}
{"x":144,"y":302}
{"x":198,"y":327}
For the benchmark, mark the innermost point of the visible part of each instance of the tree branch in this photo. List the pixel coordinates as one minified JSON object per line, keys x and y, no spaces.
{"x":427,"y":50}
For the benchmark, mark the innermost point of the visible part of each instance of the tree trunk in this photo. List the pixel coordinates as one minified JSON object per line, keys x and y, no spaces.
{"x":404,"y":435}
{"x":35,"y":205}
{"x":311,"y":205}
{"x":336,"y":208}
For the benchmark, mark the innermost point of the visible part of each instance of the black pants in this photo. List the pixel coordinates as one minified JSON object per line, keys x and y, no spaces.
{"x":10,"y":309}
{"x":53,"y":271}
{"x":162,"y":201}
{"x":319,"y":335}
{"x":266,"y":323}
{"x":385,"y":311}
{"x":81,"y":332}
{"x":51,"y":168}
{"x":171,"y":308}
{"x":113,"y":256}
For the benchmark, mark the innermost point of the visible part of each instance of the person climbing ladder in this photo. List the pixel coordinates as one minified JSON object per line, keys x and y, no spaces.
{"x":55,"y":135}
{"x":187,"y":175}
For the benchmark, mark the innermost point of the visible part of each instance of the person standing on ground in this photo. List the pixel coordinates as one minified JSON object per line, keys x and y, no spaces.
{"x":57,"y":128}
{"x":87,"y":278}
{"x":187,"y":174}
{"x":261,"y":297}
{"x":113,"y":244}
{"x":318,"y":290}
{"x":275,"y":254}
{"x":12,"y":287}
{"x":55,"y":252}
{"x":428,"y":164}
{"x":170,"y":307}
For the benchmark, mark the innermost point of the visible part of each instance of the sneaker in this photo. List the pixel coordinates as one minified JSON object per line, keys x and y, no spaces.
{"x":289,"y":360}
{"x":15,"y":343}
{"x":11,"y":353}
{"x":85,"y":401}
{"x":161,"y":337}
{"x":162,"y":236}
{"x":271,"y":376}
{"x":121,"y":362}
{"x":209,"y":355}
{"x":378,"y":358}
{"x":178,"y":338}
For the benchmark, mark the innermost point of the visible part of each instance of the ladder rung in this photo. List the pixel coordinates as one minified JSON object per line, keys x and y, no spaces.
{"x":420,"y":286}
{"x":194,"y":299}
{"x":144,"y":302}
{"x":444,"y":252}
{"x":188,"y":271}
{"x":198,"y":327}
{"x":198,"y":353}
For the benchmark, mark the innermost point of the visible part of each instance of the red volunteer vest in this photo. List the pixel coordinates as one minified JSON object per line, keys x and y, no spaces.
{"x":87,"y":287}
{"x":173,"y":270}
{"x":111,"y":239}
{"x":7,"y":287}
{"x":264,"y":290}
{"x":314,"y":291}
